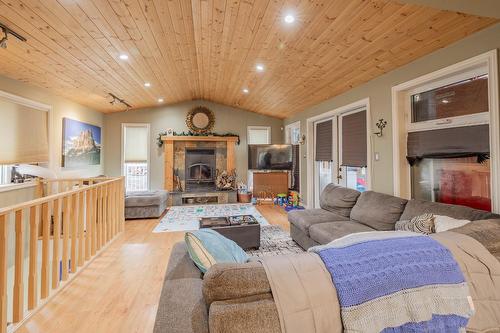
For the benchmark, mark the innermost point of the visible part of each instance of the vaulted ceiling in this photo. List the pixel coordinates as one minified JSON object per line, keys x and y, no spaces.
{"x":208,"y":49}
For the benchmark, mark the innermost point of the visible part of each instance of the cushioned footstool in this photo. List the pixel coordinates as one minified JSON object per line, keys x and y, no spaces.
{"x":143,"y":205}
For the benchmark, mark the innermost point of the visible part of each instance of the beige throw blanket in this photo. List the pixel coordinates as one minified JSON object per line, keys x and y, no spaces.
{"x":307,"y":301}
{"x":304,"y":294}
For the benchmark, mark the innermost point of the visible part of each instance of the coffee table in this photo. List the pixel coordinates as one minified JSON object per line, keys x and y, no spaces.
{"x":244,"y":230}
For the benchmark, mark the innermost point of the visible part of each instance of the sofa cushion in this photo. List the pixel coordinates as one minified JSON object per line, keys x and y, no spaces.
{"x":230,"y":281}
{"x":418,"y":207}
{"x":303,"y":219}
{"x":423,"y":224}
{"x":378,"y":211}
{"x":206,"y":247}
{"x":486,"y":232}
{"x":147,"y":198}
{"x":338,"y":199}
{"x":444,"y":223}
{"x":324,"y":233}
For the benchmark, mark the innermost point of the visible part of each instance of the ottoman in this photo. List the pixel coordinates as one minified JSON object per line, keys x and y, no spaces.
{"x":143,"y":205}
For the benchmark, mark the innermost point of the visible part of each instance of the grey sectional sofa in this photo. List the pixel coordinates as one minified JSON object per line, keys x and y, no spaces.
{"x":237,"y":298}
{"x":344,"y":211}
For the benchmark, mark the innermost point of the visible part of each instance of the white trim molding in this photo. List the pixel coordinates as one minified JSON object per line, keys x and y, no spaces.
{"x":486,"y":63}
{"x":352,"y":107}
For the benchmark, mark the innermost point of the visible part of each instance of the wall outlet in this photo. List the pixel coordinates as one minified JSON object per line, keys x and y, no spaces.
{"x":377,"y":156}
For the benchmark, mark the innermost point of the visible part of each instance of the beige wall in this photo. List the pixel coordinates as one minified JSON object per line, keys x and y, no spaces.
{"x":227,"y":119}
{"x":61,"y":108}
{"x":379,"y":92}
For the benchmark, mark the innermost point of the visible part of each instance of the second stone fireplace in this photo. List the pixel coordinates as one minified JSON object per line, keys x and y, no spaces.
{"x":200,"y":169}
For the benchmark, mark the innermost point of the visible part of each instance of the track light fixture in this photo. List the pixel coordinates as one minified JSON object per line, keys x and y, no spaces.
{"x":6,"y":32}
{"x":120,"y":101}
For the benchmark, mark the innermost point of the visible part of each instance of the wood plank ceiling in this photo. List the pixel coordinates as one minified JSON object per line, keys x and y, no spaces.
{"x":208,"y":49}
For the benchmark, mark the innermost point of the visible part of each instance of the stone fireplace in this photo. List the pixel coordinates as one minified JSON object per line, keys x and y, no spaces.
{"x":200,"y":169}
{"x":192,"y":162}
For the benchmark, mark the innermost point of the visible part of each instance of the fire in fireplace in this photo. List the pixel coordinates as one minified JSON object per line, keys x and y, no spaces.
{"x":200,"y":170}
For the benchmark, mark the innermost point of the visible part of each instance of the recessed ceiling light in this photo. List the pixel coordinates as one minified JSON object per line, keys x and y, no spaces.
{"x":445,"y":101}
{"x":123,"y":56}
{"x":289,"y":19}
{"x":147,"y":84}
{"x":259,"y":67}
{"x":246,"y":91}
{"x":160,"y":100}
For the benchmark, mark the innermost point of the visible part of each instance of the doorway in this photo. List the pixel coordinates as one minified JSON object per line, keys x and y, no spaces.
{"x":339,"y":150}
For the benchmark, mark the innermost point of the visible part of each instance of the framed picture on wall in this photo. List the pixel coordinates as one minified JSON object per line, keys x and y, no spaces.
{"x":81,"y":144}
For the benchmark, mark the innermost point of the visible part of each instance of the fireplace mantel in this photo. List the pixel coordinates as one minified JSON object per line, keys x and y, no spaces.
{"x":199,"y":138}
{"x":168,"y":144}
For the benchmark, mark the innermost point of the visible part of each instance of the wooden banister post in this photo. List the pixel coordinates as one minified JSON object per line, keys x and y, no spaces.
{"x":66,"y":230}
{"x":74,"y":232}
{"x":3,"y":273}
{"x":81,"y":240}
{"x":93,"y":222}
{"x":55,"y":243}
{"x":18,"y":301}
{"x":88,"y":223}
{"x":33,"y":269}
{"x":46,"y":221}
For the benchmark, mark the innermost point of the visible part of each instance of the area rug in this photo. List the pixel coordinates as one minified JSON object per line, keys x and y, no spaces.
{"x":274,"y":241}
{"x":186,"y":218}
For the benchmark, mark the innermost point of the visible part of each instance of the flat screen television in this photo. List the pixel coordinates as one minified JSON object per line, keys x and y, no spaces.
{"x":270,"y":157}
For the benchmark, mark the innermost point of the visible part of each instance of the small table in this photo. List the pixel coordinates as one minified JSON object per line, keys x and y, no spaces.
{"x":244,"y":230}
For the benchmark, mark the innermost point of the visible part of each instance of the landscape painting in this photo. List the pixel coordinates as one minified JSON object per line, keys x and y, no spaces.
{"x":81,"y":144}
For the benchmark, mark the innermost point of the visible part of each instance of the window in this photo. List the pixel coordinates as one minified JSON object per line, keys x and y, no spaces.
{"x":292,"y":132}
{"x":449,"y":164}
{"x":353,"y":148}
{"x":23,"y":136}
{"x":135,"y":139}
{"x":259,"y":135}
{"x":23,"y":131}
{"x":5,"y":174}
{"x":457,"y":100}
{"x":462,"y":98}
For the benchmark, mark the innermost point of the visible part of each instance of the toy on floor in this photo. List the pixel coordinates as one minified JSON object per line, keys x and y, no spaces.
{"x":293,"y":201}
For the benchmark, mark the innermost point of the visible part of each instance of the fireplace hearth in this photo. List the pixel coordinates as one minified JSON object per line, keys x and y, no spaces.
{"x":200,"y":169}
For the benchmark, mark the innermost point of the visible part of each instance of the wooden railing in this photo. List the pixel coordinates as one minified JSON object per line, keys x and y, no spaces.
{"x":70,"y":222}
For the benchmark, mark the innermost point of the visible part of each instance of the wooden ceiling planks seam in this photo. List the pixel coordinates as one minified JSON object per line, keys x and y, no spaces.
{"x":208,"y":49}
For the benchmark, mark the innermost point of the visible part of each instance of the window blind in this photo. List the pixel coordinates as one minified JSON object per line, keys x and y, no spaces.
{"x":258,"y":136}
{"x":454,"y":142}
{"x":23,"y":134}
{"x":324,"y":141}
{"x":354,"y":148}
{"x":136,"y":144}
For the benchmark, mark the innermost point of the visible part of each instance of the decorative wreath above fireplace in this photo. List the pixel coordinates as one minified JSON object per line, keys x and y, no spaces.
{"x":200,"y":120}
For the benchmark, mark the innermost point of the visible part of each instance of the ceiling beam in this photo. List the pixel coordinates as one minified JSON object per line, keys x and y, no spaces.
{"x":485,"y":8}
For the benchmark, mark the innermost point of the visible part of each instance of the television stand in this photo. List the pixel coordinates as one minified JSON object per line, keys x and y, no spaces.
{"x":268,"y":183}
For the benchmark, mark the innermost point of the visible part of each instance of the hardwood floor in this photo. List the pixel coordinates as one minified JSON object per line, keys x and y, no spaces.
{"x":119,"y":290}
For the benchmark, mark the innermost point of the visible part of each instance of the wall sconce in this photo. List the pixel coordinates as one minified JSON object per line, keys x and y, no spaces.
{"x":381,"y":124}
{"x":302,"y":139}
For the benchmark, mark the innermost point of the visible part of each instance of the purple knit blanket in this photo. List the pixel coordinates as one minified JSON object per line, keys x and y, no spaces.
{"x":397,"y":282}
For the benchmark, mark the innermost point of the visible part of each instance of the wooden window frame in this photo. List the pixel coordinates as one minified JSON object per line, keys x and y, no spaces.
{"x":400,"y":128}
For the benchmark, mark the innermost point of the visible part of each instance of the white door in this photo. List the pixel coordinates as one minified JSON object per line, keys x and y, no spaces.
{"x":326,"y":172}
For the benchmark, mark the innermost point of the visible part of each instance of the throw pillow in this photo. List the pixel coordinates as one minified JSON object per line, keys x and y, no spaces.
{"x":444,"y":223}
{"x":207,"y":247}
{"x":423,"y":224}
